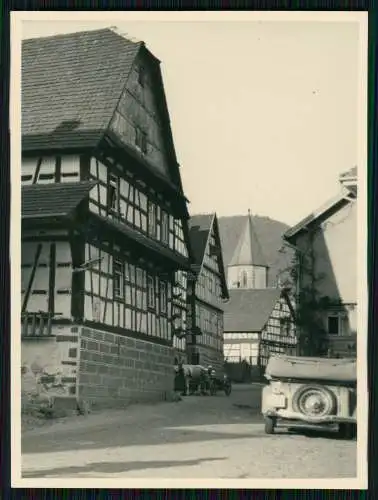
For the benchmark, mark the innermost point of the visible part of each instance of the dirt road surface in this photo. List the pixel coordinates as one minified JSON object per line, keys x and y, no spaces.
{"x":199,"y":437}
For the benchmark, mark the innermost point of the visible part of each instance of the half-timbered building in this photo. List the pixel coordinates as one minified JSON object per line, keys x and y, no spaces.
{"x":207,"y":293}
{"x":105,"y":240}
{"x":255,"y":313}
{"x":257,"y":324}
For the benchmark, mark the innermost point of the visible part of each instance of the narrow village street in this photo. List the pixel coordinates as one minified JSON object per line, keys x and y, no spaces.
{"x":199,"y":437}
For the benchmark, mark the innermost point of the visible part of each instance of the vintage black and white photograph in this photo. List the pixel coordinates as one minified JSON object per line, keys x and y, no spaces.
{"x":189,"y":248}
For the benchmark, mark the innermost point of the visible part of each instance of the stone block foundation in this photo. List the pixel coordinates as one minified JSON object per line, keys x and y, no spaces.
{"x":82,"y":367}
{"x":115,"y":370}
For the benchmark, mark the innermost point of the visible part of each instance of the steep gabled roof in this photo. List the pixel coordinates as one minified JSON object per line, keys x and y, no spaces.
{"x":248,"y":251}
{"x":220,"y":258}
{"x":329,"y":208}
{"x":200,"y":228}
{"x":52,"y":200}
{"x":71,"y":85}
{"x":269,"y":233}
{"x":349,"y":180}
{"x":249,"y":310}
{"x":351,"y":173}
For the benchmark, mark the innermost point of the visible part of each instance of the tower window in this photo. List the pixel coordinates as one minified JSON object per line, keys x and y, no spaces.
{"x":244,"y":279}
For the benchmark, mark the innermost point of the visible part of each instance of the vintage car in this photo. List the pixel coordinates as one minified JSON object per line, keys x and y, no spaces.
{"x":219,"y":383}
{"x":311,"y":391}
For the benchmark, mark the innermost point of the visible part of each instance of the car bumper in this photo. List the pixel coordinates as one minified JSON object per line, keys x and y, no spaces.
{"x":293,"y":416}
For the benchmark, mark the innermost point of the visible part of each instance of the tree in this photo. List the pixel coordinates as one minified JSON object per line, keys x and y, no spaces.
{"x":309,"y":305}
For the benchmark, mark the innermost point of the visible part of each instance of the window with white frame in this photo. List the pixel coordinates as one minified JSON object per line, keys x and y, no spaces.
{"x":118,"y":280}
{"x":113,"y":193}
{"x":152,"y":220}
{"x":45,"y":174}
{"x":151,"y":292}
{"x":163,"y":297}
{"x":164,"y":227}
{"x":337,"y":324}
{"x":158,"y":222}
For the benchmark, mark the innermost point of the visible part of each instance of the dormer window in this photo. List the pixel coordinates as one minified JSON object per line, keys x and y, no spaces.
{"x":141,"y":139}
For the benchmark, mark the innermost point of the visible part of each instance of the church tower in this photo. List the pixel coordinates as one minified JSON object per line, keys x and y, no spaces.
{"x":248,"y":268}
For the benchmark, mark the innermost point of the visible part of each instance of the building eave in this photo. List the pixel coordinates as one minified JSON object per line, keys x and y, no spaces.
{"x":112,"y":144}
{"x":140,"y":240}
{"x":314,"y":218}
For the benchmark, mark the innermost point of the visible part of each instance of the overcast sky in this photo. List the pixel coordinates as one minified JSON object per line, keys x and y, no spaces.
{"x":264,"y":114}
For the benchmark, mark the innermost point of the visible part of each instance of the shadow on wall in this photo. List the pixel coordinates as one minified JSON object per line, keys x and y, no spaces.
{"x":333,"y":279}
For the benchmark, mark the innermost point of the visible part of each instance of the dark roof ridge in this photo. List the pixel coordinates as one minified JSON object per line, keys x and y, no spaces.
{"x":58,"y":185}
{"x":199,"y":214}
{"x":72,"y":33}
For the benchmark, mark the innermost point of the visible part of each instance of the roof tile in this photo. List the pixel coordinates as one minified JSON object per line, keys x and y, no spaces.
{"x":46,"y":200}
{"x":248,"y":251}
{"x":269,"y":233}
{"x":71,"y":85}
{"x":249,"y":310}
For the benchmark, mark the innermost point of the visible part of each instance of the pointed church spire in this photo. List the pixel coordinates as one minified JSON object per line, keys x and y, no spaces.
{"x":248,"y":251}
